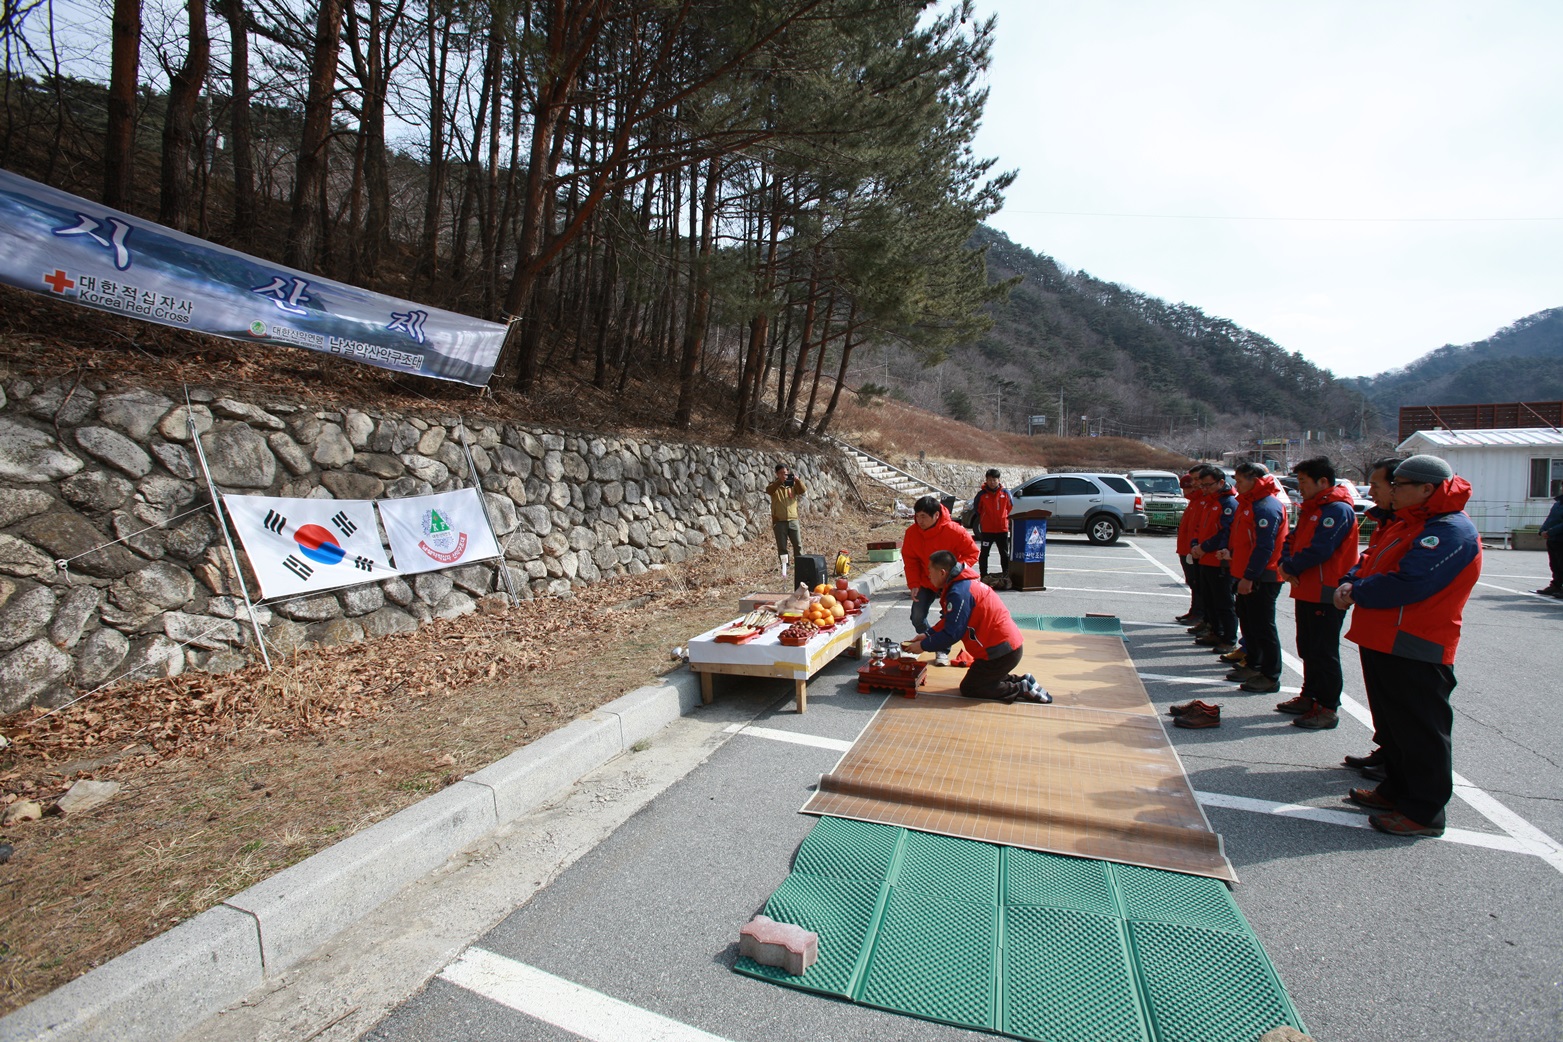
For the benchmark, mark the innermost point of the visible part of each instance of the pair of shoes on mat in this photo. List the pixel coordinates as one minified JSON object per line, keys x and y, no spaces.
{"x":942,"y":659}
{"x":1397,"y":824}
{"x":1369,"y":798}
{"x":1197,"y":705}
{"x":1261,"y":685}
{"x":1198,"y":715}
{"x":1242,"y":674}
{"x":1319,"y":718}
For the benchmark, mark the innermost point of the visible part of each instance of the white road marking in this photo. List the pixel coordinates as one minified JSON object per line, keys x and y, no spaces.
{"x":1174,"y":576}
{"x":1158,"y":625}
{"x":1102,"y":571}
{"x":1506,"y":575}
{"x":1120,"y":593}
{"x":554,"y":1000}
{"x":1215,"y":682}
{"x":789,"y":736}
{"x":1521,"y":593}
{"x":1356,"y":821}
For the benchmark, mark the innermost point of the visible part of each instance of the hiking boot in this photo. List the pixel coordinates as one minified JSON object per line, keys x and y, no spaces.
{"x":1188,"y":618}
{"x":1235,"y":658}
{"x":1261,"y":686}
{"x":1207,"y":716}
{"x":1223,"y":648}
{"x":942,"y":659}
{"x":1397,"y":824}
{"x":1357,"y":763}
{"x":1242,"y":674}
{"x":1370,"y":799}
{"x":1199,"y":629}
{"x":1196,"y":706}
{"x":1374,"y":773}
{"x":1550,"y":591}
{"x":1319,"y":718}
{"x":1298,"y":705}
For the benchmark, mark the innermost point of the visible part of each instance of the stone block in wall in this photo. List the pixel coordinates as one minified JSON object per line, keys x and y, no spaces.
{"x":522,"y":545}
{"x":166,"y":492}
{"x":286,"y":636}
{"x":291,"y":453}
{"x":187,"y":541}
{"x":361,"y":600}
{"x":253,"y":415}
{"x":175,"y":459}
{"x":476,"y":579}
{"x":501,"y":513}
{"x":358,"y":427}
{"x":432,"y":586}
{"x":344,"y":484}
{"x":310,"y":609}
{"x":223,"y":660}
{"x":136,"y":413}
{"x":31,"y":455}
{"x":388,"y":621}
{"x":397,"y":591}
{"x":201,"y":631}
{"x":239,"y":457}
{"x":401,"y":488}
{"x":25,"y":615}
{"x":430,"y":440}
{"x":20,"y":503}
{"x":334,"y":631}
{"x":65,"y":534}
{"x":454,"y":605}
{"x":28,"y":672}
{"x":512,"y":461}
{"x":536,"y":568}
{"x":454,"y":459}
{"x":113,"y":448}
{"x":163,"y":584}
{"x":99,"y":656}
{"x":71,"y":615}
{"x":379,"y":464}
{"x":152,"y":657}
{"x":332,"y":449}
{"x":66,"y":404}
{"x":176,"y":425}
{"x":425,"y":469}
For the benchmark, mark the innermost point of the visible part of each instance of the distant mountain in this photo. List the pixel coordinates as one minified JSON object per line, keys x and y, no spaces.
{"x":1145,"y":366}
{"x":1521,"y":362}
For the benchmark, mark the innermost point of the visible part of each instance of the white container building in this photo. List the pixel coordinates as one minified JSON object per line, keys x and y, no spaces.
{"x":1514,"y":472}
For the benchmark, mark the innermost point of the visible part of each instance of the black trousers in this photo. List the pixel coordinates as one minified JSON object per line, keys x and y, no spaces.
{"x":1555,"y":560}
{"x":1261,"y":640}
{"x":988,"y":540}
{"x":1413,"y":720}
{"x":1318,"y":645}
{"x":1196,"y":606}
{"x":990,"y":677}
{"x":1215,"y":586}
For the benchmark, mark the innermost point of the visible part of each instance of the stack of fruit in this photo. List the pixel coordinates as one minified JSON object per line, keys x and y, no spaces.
{"x":824,"y":612}
{"x":850,"y":600}
{"x":798,"y":633}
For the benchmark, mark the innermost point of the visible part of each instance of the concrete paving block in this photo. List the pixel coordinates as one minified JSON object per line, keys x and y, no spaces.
{"x":156,"y":990}
{"x":532,"y":775}
{"x":647,"y":710}
{"x":301,"y":907}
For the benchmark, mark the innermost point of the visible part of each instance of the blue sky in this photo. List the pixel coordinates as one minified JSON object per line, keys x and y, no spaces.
{"x":1323,"y":173}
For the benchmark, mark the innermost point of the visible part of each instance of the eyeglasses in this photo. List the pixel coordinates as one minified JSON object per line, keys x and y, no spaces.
{"x":1408,"y":484}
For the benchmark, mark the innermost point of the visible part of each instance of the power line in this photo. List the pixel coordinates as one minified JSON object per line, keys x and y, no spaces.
{"x":1328,"y":220}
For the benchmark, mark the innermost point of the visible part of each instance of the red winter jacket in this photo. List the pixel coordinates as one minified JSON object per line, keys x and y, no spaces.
{"x":1213,"y":527}
{"x":1329,"y":515}
{"x":917,"y":545}
{"x":970,"y":612}
{"x":993,"y":507}
{"x":1410,"y":590}
{"x":1191,"y":515}
{"x":1260,"y":523}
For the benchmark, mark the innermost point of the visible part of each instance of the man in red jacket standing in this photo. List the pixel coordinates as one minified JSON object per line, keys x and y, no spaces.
{"x":1212,"y":529}
{"x":1254,"y":549}
{"x":1409,"y":594}
{"x":992,"y":505}
{"x":1192,"y":492}
{"x":931,"y":529}
{"x":1321,"y":550}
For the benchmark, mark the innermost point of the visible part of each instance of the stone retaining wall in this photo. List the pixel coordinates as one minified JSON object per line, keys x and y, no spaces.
{"x":106,"y":480}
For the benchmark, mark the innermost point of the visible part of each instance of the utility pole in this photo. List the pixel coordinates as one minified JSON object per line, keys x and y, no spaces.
{"x":1063,"y":424}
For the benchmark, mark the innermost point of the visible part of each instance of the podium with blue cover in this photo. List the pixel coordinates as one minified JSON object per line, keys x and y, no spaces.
{"x":1028,"y":549}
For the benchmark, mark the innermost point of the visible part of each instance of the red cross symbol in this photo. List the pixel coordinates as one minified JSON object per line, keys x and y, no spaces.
{"x":59,"y":281}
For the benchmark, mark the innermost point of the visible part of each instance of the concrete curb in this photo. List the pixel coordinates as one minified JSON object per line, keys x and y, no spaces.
{"x":174,"y":981}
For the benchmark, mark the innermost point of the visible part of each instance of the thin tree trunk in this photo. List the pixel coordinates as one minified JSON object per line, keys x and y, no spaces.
{"x":695,"y":328}
{"x":119,"y":144}
{"x":841,"y":373}
{"x":243,"y":145}
{"x":305,"y":229}
{"x":184,"y":91}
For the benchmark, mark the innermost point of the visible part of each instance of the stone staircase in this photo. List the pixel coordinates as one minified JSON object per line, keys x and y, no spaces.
{"x":907,"y":487}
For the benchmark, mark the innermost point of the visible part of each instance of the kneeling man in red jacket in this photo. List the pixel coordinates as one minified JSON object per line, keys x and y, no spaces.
{"x":1409,"y":592}
{"x":971,"y":613}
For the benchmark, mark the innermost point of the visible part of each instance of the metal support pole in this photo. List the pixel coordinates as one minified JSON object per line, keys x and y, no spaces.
{"x":222,"y":524}
{"x":472,"y":472}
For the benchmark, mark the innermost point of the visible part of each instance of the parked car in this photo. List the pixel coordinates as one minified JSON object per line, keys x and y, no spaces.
{"x":1164,"y":499}
{"x":1100,"y":505}
{"x":1360,"y":501}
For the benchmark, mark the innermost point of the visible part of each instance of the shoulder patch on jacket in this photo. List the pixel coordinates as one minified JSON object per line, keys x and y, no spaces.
{"x":1264,"y":522}
{"x":1329,"y":522}
{"x":1429,"y":541}
{"x":1226,"y":510}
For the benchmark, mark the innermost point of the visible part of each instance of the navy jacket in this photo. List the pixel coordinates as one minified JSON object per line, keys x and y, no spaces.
{"x":1552,"y":527}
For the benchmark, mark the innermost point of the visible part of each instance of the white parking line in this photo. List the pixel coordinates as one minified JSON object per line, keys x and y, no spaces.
{"x":1120,"y":593}
{"x":789,"y":736}
{"x":554,"y":1000}
{"x":1101,"y":571}
{"x":1215,"y":682}
{"x":1174,"y":576}
{"x":1356,"y":821}
{"x":1521,"y":593}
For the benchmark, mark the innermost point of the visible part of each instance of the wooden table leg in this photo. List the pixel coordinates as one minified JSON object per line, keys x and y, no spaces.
{"x":705,"y":688}
{"x":802,"y":688}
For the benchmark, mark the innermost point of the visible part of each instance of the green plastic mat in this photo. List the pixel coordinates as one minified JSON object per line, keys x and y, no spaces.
{"x":1071,"y":624}
{"x":1034,"y":945}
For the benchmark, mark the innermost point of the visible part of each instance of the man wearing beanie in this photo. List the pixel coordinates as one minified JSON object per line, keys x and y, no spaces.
{"x":1409,"y":594}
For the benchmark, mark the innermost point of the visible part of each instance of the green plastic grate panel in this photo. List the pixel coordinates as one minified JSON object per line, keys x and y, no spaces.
{"x":1067,"y":976}
{"x":1070,"y":624}
{"x":1038,"y":946}
{"x":1035,"y":878}
{"x":1207,"y":985}
{"x":950,"y":868}
{"x":935,"y":959}
{"x":1171,"y":897}
{"x":848,"y":849}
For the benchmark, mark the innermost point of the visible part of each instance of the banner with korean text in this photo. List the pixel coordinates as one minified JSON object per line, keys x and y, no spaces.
{"x":438,"y":531}
{"x":309,"y":545}
{"x":63,"y":246}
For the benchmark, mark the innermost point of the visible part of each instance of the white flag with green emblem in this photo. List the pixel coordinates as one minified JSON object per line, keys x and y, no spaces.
{"x":439,"y":531}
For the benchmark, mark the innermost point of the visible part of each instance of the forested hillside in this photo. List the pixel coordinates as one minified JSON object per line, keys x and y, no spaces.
{"x":1521,"y":362}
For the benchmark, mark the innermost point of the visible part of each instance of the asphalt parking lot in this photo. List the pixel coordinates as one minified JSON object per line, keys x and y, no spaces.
{"x":1376,"y":938}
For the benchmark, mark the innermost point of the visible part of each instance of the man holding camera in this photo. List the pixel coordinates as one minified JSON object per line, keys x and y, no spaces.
{"x":785,"y":491}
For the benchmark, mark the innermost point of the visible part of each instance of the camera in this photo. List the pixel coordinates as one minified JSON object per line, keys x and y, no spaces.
{"x":790,"y":479}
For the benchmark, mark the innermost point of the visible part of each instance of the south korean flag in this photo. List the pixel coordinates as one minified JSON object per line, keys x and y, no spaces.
{"x":308,"y":545}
